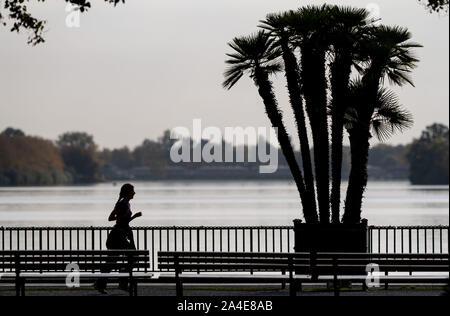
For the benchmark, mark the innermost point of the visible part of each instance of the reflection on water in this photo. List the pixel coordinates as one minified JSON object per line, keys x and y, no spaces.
{"x":212,"y":203}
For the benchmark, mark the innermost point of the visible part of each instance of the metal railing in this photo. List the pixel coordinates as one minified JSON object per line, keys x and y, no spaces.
{"x":403,"y":239}
{"x":408,"y":239}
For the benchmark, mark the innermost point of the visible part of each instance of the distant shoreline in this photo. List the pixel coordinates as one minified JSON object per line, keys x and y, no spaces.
{"x":199,"y":180}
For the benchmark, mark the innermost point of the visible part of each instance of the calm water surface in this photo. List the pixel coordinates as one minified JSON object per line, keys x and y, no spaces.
{"x":212,"y":203}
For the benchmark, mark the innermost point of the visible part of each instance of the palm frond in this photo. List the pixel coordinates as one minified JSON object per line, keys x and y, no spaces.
{"x":390,"y":117}
{"x":257,"y":50}
{"x":391,"y":53}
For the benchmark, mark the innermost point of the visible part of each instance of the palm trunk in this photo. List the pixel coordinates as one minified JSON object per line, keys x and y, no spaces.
{"x":293,"y":79}
{"x":314,"y":83}
{"x":265,"y":90}
{"x":360,"y":145}
{"x":340,"y":83}
{"x":337,"y":139}
{"x":359,"y":141}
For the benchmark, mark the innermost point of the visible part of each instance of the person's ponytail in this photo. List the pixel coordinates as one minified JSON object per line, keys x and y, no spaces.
{"x":126,"y":189}
{"x":120,"y":199}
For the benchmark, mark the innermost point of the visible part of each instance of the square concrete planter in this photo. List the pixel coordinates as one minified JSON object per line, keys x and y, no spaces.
{"x":331,"y":237}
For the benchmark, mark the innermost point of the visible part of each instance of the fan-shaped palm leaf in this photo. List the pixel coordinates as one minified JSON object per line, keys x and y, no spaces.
{"x":251,"y":52}
{"x":389,"y":117}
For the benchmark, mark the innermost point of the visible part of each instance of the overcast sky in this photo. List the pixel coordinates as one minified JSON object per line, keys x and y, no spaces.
{"x":130,"y":72}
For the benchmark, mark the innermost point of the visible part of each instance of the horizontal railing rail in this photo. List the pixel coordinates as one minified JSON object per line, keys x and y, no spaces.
{"x":273,"y":239}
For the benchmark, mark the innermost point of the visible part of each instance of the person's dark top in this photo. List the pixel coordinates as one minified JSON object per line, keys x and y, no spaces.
{"x":123,"y":214}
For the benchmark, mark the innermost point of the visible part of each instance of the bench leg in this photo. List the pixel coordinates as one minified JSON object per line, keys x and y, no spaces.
{"x":130,"y":287}
{"x":336,"y":286}
{"x":20,"y":287}
{"x":337,"y":290}
{"x":179,"y":289}
{"x":292,"y":289}
{"x":386,"y":284}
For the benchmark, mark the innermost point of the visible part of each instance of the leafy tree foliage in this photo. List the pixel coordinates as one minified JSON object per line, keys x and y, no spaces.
{"x":78,"y":140}
{"x":429,"y":156}
{"x":11,"y":132}
{"x":15,"y":14}
{"x":79,"y":154}
{"x":28,"y":160}
{"x":436,"y":5}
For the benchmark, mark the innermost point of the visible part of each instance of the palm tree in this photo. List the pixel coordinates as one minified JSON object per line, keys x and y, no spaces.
{"x":311,"y":27}
{"x":389,"y":55}
{"x":348,"y":26}
{"x":278,"y":26}
{"x":258,"y":56}
{"x":387,"y":118}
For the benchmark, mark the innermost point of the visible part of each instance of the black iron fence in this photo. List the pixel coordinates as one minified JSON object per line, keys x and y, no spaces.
{"x":404,"y":239}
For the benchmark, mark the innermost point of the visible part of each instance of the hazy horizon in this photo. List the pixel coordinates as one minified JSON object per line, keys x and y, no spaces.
{"x":131,"y":72}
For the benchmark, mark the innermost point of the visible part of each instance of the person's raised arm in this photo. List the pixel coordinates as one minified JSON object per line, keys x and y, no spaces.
{"x":139,"y":214}
{"x":113,"y":215}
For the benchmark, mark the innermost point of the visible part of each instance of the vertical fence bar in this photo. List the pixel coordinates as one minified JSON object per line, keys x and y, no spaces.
{"x":175,"y":238}
{"x":48,"y":239}
{"x":403,"y":244}
{"x":26,"y":239}
{"x":432,"y":236}
{"x":418,"y":239}
{"x":168,"y":239}
{"x":213,"y":231}
{"x":273,"y":239}
{"x":40,"y":239}
{"x":63,"y":240}
{"x":93,"y":238}
{"x":395,"y":240}
{"x":100,"y":239}
{"x":160,"y":239}
{"x":182,"y":239}
{"x":387,"y":240}
{"x":56,"y":238}
{"x":281,"y":240}
{"x":265,"y":239}
{"x":191,"y":239}
{"x":288,"y":232}
{"x":221,"y":240}
{"x":379,"y":240}
{"x":153,"y":250}
{"x":410,"y":240}
{"x":18,"y":239}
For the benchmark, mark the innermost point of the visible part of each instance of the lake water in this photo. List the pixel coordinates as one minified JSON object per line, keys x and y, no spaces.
{"x":212,"y":203}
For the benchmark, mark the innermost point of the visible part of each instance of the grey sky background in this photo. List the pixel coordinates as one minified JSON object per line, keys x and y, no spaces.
{"x":130,"y":72}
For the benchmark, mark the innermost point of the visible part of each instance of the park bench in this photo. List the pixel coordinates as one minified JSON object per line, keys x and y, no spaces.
{"x":297,"y":269}
{"x":24,"y":267}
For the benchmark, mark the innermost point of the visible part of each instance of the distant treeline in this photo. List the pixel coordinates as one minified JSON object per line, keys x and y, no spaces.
{"x":75,"y":158}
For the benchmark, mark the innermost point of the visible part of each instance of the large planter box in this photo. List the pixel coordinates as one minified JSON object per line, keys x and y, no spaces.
{"x":331,"y":237}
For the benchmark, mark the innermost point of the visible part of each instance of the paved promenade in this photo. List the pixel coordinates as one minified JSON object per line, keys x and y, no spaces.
{"x":222,"y":291}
